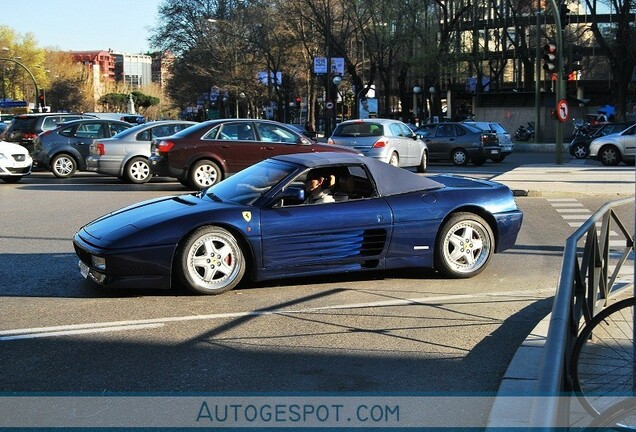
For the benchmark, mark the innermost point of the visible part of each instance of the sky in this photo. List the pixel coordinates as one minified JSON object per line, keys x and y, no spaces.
{"x":82,"y":25}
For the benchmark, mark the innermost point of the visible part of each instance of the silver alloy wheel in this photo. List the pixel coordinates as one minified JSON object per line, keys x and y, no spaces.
{"x":466,"y":246}
{"x":63,"y":166}
{"x":212,"y":261}
{"x":138,"y":171}
{"x":460,"y":157}
{"x":205,"y":174}
{"x":395,"y":160}
{"x":423,"y":166}
{"x":580,"y":151}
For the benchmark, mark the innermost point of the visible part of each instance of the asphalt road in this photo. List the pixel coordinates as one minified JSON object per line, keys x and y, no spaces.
{"x":381,"y":332}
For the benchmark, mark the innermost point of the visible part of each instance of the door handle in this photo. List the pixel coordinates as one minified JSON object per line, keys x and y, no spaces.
{"x":225,"y":146}
{"x":267,"y":148}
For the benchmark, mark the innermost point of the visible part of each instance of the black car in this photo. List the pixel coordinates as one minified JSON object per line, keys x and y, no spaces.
{"x":65,"y":149}
{"x":25,"y":127}
{"x":580,"y":146}
{"x":459,"y":143}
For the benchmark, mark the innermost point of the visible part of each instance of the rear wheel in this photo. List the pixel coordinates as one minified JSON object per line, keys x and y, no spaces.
{"x":609,"y":155}
{"x":464,"y":246}
{"x":63,"y":165}
{"x":394,"y":160}
{"x":459,"y":157}
{"x":498,"y":158}
{"x":137,"y":171}
{"x":205,"y":173}
{"x":211,"y":261}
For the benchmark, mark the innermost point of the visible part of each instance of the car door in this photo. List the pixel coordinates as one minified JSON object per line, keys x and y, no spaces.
{"x":238,"y":145}
{"x":84,"y":134}
{"x":346,"y":235}
{"x":443,"y":141}
{"x":413,"y":145}
{"x":397,"y":140}
{"x":628,"y":140}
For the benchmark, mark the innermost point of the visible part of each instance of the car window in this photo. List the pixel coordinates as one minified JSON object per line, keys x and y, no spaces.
{"x":51,"y":122}
{"x":236,"y":132}
{"x":90,"y":130}
{"x":460,"y":131}
{"x":497,"y":128}
{"x":395,"y":130}
{"x":166,"y":130}
{"x":116,"y":128}
{"x":426,"y":131}
{"x":144,"y":135}
{"x":406,"y":131}
{"x":274,"y":133}
{"x":445,"y":130}
{"x":359,"y":129}
{"x":67,"y":131}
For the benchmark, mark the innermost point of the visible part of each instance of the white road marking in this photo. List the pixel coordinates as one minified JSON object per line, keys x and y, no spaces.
{"x":102,"y":327}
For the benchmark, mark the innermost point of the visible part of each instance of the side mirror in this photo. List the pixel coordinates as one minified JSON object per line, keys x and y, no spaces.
{"x":293,"y":195}
{"x":304,"y":141}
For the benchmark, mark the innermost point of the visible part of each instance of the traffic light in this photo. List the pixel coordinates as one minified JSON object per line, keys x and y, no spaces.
{"x":550,"y":57}
{"x":576,"y":62}
{"x":299,"y":101}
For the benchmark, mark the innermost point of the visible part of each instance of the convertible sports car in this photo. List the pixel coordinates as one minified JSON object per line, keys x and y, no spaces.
{"x":258,"y":223}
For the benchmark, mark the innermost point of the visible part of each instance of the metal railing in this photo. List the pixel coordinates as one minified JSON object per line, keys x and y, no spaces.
{"x":587,"y":281}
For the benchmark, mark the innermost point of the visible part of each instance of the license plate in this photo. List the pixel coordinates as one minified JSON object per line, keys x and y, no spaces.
{"x":83,"y":269}
{"x":494,"y":151}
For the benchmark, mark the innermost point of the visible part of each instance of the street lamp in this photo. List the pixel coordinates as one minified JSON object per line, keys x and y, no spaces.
{"x":416,"y":91}
{"x":337,"y":80}
{"x":35,"y":84}
{"x":431,"y":91}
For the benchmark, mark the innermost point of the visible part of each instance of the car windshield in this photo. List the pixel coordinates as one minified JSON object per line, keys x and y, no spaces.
{"x":246,"y":186}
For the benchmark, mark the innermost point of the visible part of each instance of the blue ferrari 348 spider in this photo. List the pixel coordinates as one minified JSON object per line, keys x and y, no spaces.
{"x":301,"y":214}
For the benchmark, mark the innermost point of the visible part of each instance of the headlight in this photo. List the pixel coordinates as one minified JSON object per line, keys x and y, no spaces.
{"x":98,"y":262}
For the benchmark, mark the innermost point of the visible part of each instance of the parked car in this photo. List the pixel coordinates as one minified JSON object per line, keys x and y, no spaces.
{"x":64,"y":150}
{"x":15,"y":162}
{"x":389,"y":141}
{"x":126,"y":154}
{"x":25,"y":127}
{"x":258,"y":224}
{"x":505,"y":141}
{"x":614,"y":148}
{"x":579,"y":147}
{"x":459,"y":143}
{"x":302,"y":129}
{"x":125,"y":117}
{"x":204,"y":154}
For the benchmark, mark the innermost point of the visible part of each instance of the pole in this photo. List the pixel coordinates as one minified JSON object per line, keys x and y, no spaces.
{"x":35,"y":84}
{"x":537,"y":80}
{"x":560,"y":84}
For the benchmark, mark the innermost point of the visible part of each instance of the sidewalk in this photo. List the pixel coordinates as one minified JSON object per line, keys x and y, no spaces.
{"x":573,"y":177}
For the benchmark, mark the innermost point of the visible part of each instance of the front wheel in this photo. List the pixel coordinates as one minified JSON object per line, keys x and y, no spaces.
{"x":211,"y":261}
{"x":137,"y":171}
{"x":63,"y":166}
{"x":460,"y":157}
{"x":423,"y":166}
{"x":609,"y":155}
{"x":205,"y":173}
{"x":579,"y":151}
{"x":464,"y":246}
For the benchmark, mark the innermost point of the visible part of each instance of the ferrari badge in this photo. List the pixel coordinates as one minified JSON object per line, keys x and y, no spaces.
{"x":247,"y":216}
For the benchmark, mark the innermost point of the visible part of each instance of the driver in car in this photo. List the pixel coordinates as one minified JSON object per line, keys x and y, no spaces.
{"x":317,"y":186}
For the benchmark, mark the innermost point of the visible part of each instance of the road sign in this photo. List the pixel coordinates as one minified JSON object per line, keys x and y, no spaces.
{"x":563,"y":110}
{"x":329,"y":105}
{"x":13,"y":104}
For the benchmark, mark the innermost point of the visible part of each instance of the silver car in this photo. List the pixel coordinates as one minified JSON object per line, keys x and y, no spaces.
{"x":614,"y":148}
{"x":390,"y":141}
{"x":126,"y":154}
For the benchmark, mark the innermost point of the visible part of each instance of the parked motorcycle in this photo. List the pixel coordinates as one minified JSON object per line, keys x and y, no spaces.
{"x":581,"y":129}
{"x":525,"y":133}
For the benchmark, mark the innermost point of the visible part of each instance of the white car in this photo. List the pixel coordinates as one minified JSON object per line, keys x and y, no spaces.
{"x":614,"y":148}
{"x":15,"y":162}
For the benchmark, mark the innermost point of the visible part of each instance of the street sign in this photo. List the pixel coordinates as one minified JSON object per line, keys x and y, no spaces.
{"x":563,"y":110}
{"x":320,"y":65}
{"x":13,"y":104}
{"x":329,"y":105}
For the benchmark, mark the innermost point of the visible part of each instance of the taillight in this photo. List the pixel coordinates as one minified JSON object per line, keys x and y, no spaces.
{"x":164,"y":146}
{"x":100,"y":149}
{"x":330,"y":141}
{"x":29,"y":136}
{"x":379,"y":144}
